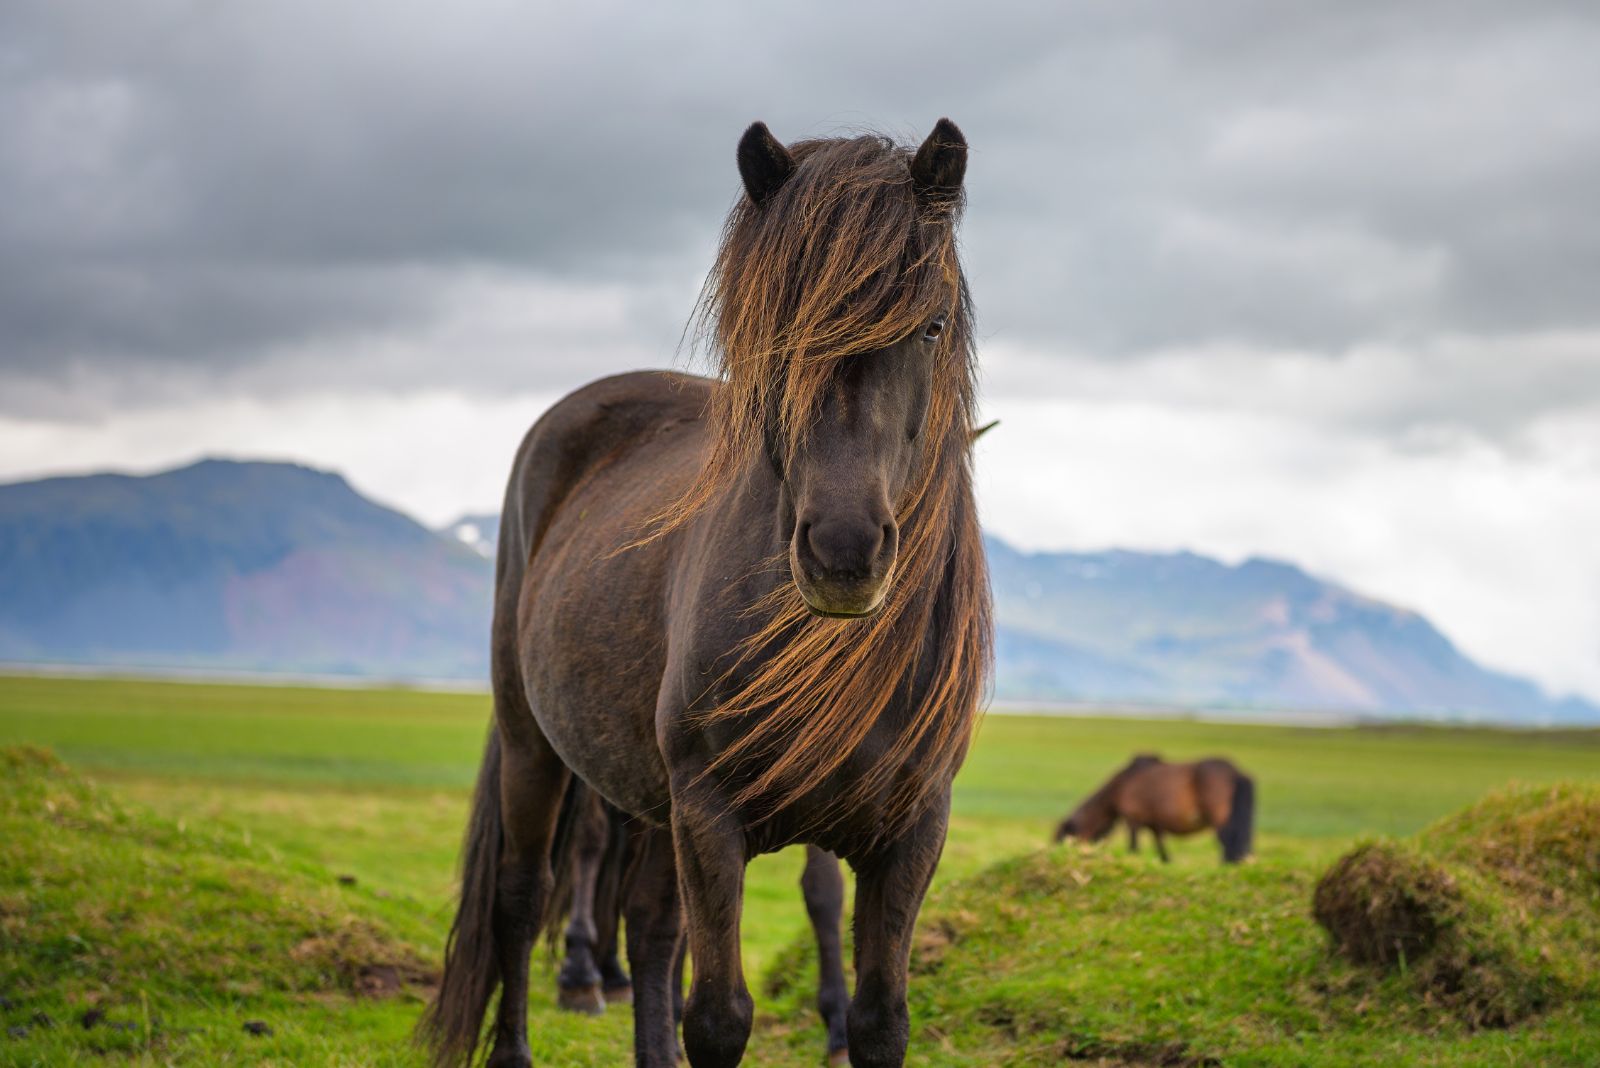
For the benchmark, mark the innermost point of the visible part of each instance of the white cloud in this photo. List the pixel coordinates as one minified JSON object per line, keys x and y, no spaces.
{"x":1495,"y":546}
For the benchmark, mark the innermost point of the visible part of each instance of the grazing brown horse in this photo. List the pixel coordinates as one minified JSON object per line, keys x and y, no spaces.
{"x":748,"y":611}
{"x":591,"y":977}
{"x":1170,"y":799}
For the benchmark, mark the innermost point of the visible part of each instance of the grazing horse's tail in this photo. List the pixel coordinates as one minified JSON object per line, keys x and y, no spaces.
{"x":454,"y":1020}
{"x":1237,"y":832}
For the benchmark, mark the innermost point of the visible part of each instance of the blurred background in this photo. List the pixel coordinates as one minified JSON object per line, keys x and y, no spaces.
{"x":1281,"y":287}
{"x":1287,"y":314}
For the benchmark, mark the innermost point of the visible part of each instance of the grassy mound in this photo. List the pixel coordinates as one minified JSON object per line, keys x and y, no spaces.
{"x":1090,"y":956}
{"x":1494,"y":912}
{"x":120,"y":931}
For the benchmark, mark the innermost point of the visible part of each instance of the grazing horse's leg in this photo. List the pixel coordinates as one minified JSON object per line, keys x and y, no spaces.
{"x":532,"y":780}
{"x":579,"y":980}
{"x":890,"y":886}
{"x":1133,"y":837}
{"x":653,"y":933}
{"x":719,"y":1012}
{"x":823,"y":886}
{"x":1161,"y":845}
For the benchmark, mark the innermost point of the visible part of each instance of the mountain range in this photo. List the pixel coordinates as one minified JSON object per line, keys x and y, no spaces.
{"x":240,"y":566}
{"x":273,"y":567}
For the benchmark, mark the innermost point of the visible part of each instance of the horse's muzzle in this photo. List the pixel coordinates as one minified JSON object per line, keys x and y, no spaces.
{"x":842,"y":569}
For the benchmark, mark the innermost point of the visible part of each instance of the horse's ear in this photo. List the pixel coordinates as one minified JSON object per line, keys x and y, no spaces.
{"x":940,"y":164}
{"x":764,"y":163}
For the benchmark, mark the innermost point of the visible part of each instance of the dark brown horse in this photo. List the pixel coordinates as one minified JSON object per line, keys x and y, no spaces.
{"x":591,"y":977}
{"x":1170,"y":799}
{"x":747,"y":611}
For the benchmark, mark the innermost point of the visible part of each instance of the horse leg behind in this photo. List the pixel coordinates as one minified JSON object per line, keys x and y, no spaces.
{"x":822,"y":883}
{"x":1133,"y":837}
{"x":578,"y":983}
{"x":1161,"y":844}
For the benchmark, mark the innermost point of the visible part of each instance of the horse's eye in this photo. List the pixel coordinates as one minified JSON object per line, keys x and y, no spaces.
{"x":933,"y":331}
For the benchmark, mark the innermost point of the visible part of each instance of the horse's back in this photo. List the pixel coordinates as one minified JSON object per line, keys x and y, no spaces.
{"x":590,"y":427}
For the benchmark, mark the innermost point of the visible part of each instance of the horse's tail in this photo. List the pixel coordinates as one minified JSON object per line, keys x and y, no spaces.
{"x":453,"y":1022}
{"x":1236,"y":833}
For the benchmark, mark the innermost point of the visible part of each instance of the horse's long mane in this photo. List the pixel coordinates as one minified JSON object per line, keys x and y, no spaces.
{"x":844,"y":258}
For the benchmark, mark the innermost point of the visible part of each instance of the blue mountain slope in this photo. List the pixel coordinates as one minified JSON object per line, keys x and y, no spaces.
{"x":258,"y":566}
{"x":1184,"y":629}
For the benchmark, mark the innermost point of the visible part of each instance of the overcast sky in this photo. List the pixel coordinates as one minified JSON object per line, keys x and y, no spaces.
{"x":1320,"y":282}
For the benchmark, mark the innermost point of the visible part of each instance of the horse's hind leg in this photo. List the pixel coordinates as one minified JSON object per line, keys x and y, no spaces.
{"x":1133,"y":837}
{"x":653,"y":931}
{"x":1161,"y":845}
{"x":532,"y":781}
{"x":823,"y":886}
{"x":578,"y":983}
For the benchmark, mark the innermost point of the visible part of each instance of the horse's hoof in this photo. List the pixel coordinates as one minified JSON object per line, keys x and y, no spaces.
{"x":619,"y":995}
{"x":585,"y":999}
{"x":838,"y":1058}
{"x":509,"y":1059}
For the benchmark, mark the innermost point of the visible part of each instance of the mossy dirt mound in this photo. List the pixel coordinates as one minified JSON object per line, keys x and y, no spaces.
{"x":1493,"y":912}
{"x":109,"y":914}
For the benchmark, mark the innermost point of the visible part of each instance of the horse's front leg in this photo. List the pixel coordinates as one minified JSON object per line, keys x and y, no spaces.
{"x":711,"y":862}
{"x":890,"y":886}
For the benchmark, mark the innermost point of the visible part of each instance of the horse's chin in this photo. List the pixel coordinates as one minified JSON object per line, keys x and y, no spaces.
{"x":825,"y":613}
{"x":831,"y":605}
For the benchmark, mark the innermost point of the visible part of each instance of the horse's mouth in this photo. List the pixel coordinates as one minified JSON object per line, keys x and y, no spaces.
{"x":821,"y":599}
{"x":831,"y":614}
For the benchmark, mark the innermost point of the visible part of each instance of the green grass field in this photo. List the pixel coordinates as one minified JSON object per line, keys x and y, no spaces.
{"x":196,"y":885}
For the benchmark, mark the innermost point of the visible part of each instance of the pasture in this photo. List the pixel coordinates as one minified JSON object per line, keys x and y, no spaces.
{"x":285,"y":855}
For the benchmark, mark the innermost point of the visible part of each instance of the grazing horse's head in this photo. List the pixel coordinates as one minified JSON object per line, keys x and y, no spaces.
{"x":1094,"y":819}
{"x":1090,"y":822}
{"x":840,"y":314}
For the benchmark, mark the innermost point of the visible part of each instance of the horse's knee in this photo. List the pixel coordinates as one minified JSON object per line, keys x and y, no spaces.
{"x":879,"y":1029}
{"x":716,"y":1027}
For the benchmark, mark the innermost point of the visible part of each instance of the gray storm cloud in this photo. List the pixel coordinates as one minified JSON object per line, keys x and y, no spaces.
{"x":291,"y":196}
